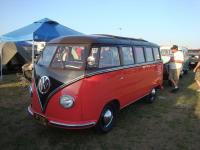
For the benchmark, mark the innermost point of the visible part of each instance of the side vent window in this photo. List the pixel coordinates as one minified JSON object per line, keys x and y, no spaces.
{"x":92,"y":60}
{"x":109,"y":57}
{"x":149,"y":54}
{"x":139,"y":55}
{"x":127,"y":55}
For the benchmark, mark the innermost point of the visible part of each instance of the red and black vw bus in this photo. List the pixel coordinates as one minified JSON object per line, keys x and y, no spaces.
{"x":83,"y":81}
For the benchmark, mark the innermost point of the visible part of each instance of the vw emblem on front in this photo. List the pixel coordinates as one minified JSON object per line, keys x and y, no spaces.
{"x":44,"y":84}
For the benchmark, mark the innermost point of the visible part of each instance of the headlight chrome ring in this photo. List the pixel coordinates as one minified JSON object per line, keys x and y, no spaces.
{"x":66,"y":101}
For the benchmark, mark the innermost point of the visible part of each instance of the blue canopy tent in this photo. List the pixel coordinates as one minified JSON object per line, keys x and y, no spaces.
{"x":42,"y":30}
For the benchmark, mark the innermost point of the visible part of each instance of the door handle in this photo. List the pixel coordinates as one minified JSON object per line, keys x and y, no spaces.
{"x":121,"y":78}
{"x":144,"y":66}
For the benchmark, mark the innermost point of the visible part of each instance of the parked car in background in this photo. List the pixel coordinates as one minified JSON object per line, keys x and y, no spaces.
{"x":194,"y":55}
{"x":193,"y":60}
{"x":186,"y":59}
{"x":165,"y":52}
{"x":83,"y":81}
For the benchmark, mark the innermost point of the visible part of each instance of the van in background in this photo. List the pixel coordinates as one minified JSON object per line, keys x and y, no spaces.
{"x":165,"y":52}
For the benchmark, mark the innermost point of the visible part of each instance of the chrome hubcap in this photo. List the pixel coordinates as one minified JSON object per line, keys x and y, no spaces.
{"x":107,"y":118}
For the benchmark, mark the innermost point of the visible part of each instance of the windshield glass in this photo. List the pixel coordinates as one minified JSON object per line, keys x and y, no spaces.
{"x":63,"y":57}
{"x":165,"y":52}
{"x":47,"y":55}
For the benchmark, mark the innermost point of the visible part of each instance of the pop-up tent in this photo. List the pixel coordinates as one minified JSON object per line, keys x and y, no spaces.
{"x":15,"y":55}
{"x":42,"y":30}
{"x":8,"y":50}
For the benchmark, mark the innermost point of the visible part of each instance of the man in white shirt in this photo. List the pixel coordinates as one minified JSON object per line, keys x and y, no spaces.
{"x":175,"y":67}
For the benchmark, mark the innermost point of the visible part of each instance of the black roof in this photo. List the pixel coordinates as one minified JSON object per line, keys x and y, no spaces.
{"x":101,"y":39}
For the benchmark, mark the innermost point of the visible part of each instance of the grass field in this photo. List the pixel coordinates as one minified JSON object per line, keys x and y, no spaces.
{"x":171,"y":123}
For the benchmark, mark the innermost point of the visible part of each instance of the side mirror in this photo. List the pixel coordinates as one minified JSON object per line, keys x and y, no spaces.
{"x":91,"y":61}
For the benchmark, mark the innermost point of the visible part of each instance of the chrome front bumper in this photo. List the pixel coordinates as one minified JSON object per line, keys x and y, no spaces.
{"x":65,"y":125}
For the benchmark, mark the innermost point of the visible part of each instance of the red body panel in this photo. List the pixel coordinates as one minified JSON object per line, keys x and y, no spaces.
{"x":55,"y":112}
{"x":93,"y":93}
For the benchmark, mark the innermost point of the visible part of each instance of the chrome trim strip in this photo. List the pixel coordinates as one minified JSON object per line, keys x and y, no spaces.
{"x":134,"y":101}
{"x":59,"y":88}
{"x":38,"y":94}
{"x":64,"y":85}
{"x":72,"y":125}
{"x":121,"y":67}
{"x":89,"y":75}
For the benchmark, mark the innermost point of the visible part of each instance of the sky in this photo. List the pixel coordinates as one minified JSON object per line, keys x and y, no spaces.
{"x":164,"y":22}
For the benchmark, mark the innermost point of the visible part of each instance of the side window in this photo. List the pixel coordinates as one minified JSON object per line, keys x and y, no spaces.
{"x":139,"y":54}
{"x":156,"y":53}
{"x":127,"y":55}
{"x":109,"y":57}
{"x":149,"y":54}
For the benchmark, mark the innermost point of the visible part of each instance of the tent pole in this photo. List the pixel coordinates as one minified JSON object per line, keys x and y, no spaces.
{"x":1,"y":62}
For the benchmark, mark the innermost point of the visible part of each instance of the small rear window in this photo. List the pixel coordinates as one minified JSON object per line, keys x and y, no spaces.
{"x":149,"y":54}
{"x":156,"y":53}
{"x":139,"y":55}
{"x":127,"y":55}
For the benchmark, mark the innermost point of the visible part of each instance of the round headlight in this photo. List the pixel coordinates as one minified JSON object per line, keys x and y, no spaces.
{"x":66,"y":101}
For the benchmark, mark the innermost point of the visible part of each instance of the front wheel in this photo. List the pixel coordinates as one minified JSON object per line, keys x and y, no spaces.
{"x":107,"y":119}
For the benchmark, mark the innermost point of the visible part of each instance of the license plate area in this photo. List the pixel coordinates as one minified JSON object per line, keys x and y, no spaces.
{"x":42,"y":120}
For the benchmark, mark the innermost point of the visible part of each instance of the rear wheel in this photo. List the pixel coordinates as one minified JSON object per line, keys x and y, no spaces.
{"x":107,"y":119}
{"x":152,"y":96}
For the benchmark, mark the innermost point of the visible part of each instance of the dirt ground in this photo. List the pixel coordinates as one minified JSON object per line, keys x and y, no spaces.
{"x":171,"y":123}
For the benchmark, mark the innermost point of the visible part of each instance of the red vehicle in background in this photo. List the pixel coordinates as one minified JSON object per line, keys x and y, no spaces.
{"x":83,"y":81}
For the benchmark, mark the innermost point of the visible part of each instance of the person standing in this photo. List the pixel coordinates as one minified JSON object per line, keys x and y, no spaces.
{"x":175,"y":67}
{"x":197,"y":75}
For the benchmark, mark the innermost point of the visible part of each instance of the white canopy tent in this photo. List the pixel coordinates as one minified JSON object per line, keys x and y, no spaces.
{"x":1,"y":53}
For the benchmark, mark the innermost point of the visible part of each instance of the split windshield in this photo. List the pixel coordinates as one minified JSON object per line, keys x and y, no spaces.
{"x":62,"y":57}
